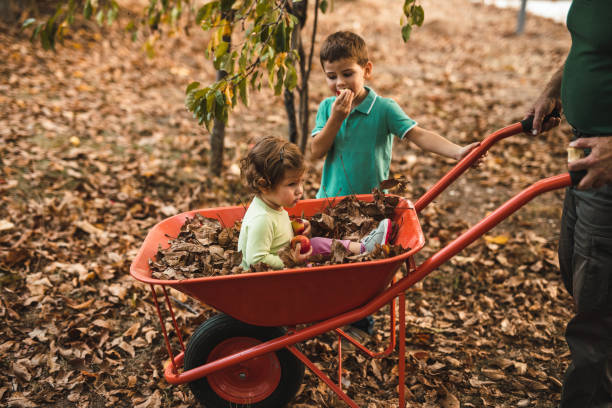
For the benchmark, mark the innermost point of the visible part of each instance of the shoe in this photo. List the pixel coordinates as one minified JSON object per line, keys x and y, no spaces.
{"x":365,"y":325}
{"x":381,"y":235}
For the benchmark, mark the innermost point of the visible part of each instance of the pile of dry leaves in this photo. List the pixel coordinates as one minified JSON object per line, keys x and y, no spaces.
{"x":205,"y":247}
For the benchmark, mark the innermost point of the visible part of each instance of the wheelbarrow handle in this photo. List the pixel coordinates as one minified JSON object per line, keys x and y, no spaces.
{"x":475,"y":232}
{"x":473,"y":156}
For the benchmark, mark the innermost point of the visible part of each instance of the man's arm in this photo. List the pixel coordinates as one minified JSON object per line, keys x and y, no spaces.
{"x":598,"y":163}
{"x":548,"y":101}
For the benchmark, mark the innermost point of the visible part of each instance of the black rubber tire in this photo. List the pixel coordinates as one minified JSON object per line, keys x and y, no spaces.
{"x":222,"y":327}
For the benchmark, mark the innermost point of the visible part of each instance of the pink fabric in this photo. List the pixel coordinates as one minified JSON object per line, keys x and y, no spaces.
{"x":322,"y":245}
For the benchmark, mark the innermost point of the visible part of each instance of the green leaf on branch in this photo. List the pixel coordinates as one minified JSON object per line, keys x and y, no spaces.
{"x":154,"y":20}
{"x":263,"y":34}
{"x":192,"y":86}
{"x":280,"y":39}
{"x":205,"y":11}
{"x":291,"y":77}
{"x":418,"y":15}
{"x":175,"y":14}
{"x":278,"y":86}
{"x":323,"y":6}
{"x":219,"y":98}
{"x":87,"y":9}
{"x":100,"y":17}
{"x":406,"y":30}
{"x":221,"y":49}
{"x":242,"y":88}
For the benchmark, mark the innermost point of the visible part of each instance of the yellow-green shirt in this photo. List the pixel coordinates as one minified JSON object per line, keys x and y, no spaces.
{"x":263,"y":233}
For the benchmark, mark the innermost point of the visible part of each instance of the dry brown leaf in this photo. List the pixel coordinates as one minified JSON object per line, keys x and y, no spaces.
{"x":128,"y":348}
{"x":18,"y":400}
{"x":448,"y":400}
{"x":153,"y":401}
{"x":21,"y":371}
{"x":132,"y":331}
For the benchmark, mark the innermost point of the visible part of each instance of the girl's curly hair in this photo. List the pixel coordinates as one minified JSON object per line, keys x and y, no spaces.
{"x":268,"y":161}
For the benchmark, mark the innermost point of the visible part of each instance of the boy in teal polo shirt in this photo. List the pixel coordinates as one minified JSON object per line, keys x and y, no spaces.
{"x":355,"y":127}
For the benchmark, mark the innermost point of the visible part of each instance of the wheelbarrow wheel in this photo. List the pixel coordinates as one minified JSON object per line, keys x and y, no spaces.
{"x":267,"y":381}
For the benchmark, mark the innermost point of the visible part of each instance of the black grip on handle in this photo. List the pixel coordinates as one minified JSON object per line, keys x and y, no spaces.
{"x":576,"y":176}
{"x":527,"y":123}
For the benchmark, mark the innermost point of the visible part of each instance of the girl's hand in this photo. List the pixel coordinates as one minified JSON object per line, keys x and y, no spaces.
{"x":342,"y":105}
{"x":299,"y":258}
{"x":306,"y":228}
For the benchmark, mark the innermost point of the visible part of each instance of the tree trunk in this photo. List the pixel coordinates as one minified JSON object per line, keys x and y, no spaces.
{"x":290,"y":108}
{"x":520,"y":25}
{"x":296,"y":136}
{"x":217,"y":137}
{"x":12,"y":10}
{"x":6,"y":12}
{"x":303,"y":112}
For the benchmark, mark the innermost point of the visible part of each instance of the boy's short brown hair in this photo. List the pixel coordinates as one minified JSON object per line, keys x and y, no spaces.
{"x":268,"y":161}
{"x":344,"y":44}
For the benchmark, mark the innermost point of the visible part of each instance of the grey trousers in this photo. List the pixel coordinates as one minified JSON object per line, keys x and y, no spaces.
{"x":585,"y":257}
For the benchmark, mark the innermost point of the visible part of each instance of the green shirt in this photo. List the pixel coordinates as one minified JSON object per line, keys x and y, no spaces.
{"x":263,"y":233}
{"x":360,"y":157}
{"x":586,"y":89}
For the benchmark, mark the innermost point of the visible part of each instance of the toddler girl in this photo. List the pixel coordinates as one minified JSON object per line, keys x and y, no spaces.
{"x":274,"y":170}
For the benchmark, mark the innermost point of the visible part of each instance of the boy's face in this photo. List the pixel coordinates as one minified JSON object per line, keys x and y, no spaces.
{"x":346,"y":73}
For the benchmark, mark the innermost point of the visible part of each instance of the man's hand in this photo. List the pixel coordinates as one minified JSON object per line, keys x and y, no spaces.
{"x":545,"y":105}
{"x":598,"y":163}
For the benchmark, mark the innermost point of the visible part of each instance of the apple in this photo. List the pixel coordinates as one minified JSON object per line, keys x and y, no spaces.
{"x":303,"y":241}
{"x":298,"y":226}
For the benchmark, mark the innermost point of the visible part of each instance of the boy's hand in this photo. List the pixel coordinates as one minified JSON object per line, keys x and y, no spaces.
{"x":299,"y":258}
{"x":464,"y":151}
{"x":342,"y":105}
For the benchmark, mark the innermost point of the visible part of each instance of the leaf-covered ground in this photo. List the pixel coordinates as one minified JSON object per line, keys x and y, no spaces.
{"x":97,"y":147}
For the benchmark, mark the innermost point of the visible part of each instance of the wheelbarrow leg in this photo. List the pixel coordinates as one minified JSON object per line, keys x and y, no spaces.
{"x":323,"y":377}
{"x":402,"y":349}
{"x":163,"y":327}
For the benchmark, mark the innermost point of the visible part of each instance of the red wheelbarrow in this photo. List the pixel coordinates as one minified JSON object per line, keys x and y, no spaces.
{"x":248,"y":355}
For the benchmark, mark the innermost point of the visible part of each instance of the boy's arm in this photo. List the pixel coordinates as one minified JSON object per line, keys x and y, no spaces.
{"x":433,"y":142}
{"x":323,"y":141}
